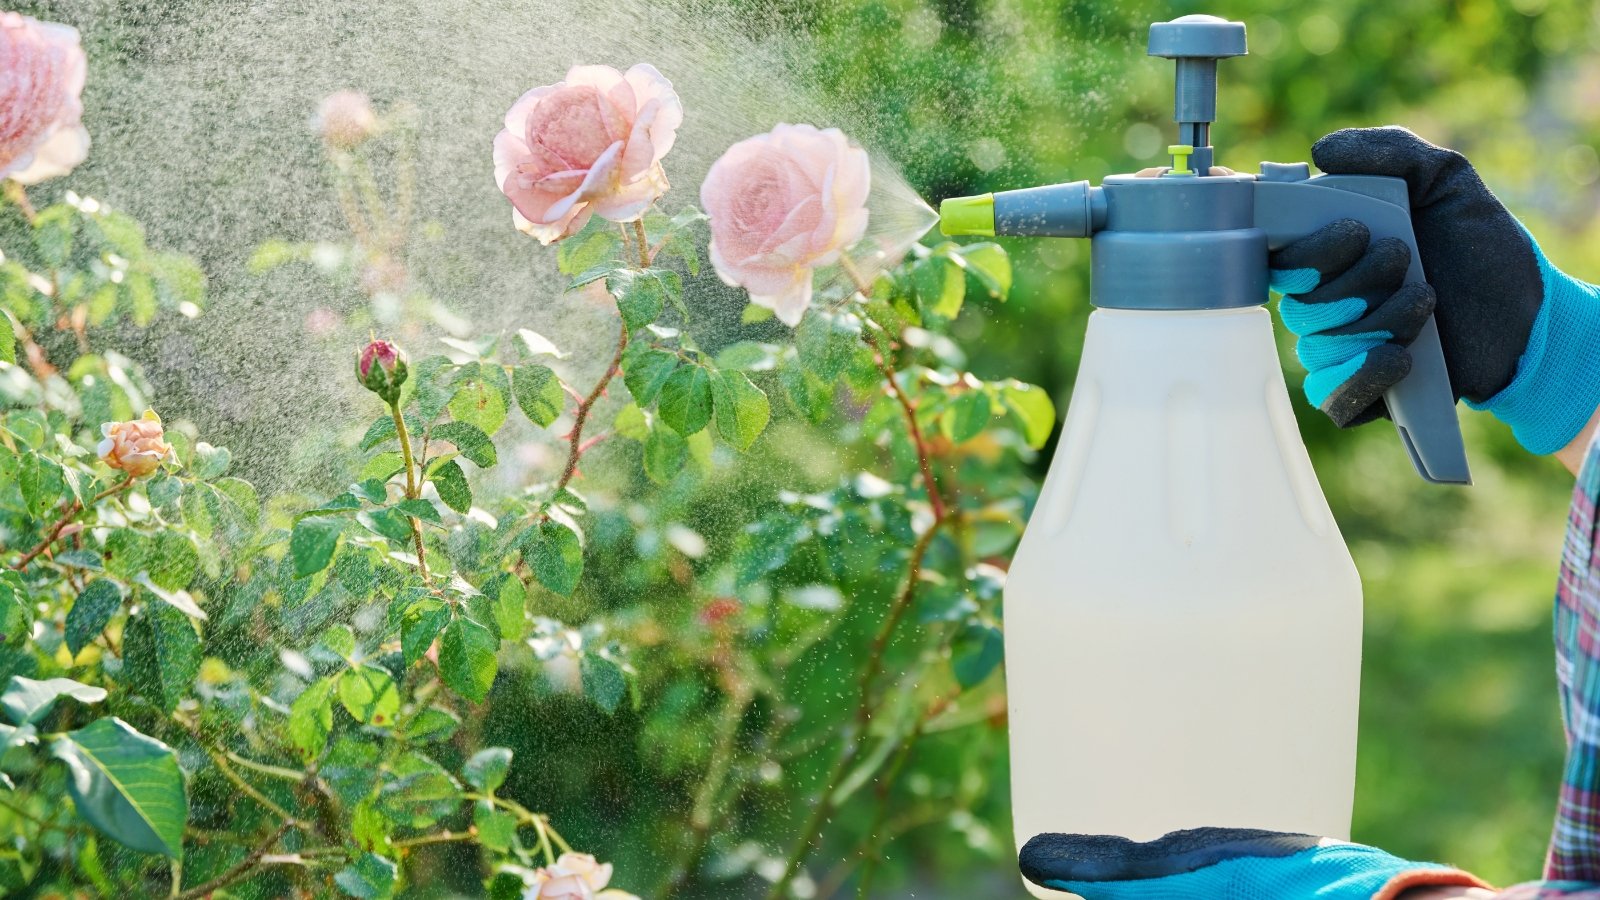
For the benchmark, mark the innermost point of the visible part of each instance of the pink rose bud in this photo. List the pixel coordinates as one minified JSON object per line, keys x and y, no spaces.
{"x":345,"y":119}
{"x":781,"y":205}
{"x":135,"y":447}
{"x":591,"y":144}
{"x":381,"y":369}
{"x":42,"y":68}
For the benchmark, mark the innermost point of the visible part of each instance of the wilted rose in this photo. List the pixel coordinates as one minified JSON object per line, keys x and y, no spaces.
{"x":42,"y":68}
{"x":345,"y":119}
{"x":781,"y":205}
{"x":381,"y":368}
{"x":136,"y":447}
{"x":590,"y":144}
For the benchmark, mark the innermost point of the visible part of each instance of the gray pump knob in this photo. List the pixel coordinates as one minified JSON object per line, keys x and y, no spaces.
{"x":1196,"y":42}
{"x":1207,"y":37}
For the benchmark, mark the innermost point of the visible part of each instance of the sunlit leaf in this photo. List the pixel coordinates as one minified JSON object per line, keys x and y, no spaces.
{"x":471,"y":440}
{"x":486,"y":770}
{"x":311,"y":719}
{"x":452,"y":485}
{"x":126,"y":784}
{"x":467,"y":661}
{"x":538,"y":392}
{"x":742,"y":409}
{"x":369,"y":877}
{"x":1033,"y":409}
{"x":556,"y":556}
{"x":26,"y":700}
{"x":369,"y":695}
{"x":160,"y":654}
{"x":311,"y":545}
{"x":421,"y":623}
{"x":685,"y":403}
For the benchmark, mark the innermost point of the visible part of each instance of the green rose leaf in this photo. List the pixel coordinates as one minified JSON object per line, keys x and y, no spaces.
{"x":453,"y":488}
{"x":126,"y":784}
{"x":91,"y":612}
{"x":538,"y":392}
{"x":603,"y":681}
{"x":990,"y":266}
{"x":311,"y":545}
{"x":179,"y":600}
{"x":631,"y":423}
{"x":939,"y":285}
{"x":556,"y":557}
{"x":16,"y":611}
{"x":497,"y":829}
{"x":471,"y":440}
{"x":685,"y":404}
{"x":311,"y":719}
{"x":664,"y":454}
{"x":209,"y":462}
{"x":370,"y":877}
{"x":1032,"y":408}
{"x":174,"y":559}
{"x":642,"y":293}
{"x":481,"y":401}
{"x":742,"y":409}
{"x":510,"y":606}
{"x":420,"y":509}
{"x":26,"y":700}
{"x":160,"y":655}
{"x":417,"y":792}
{"x":487,"y":769}
{"x":645,"y":371}
{"x":975,"y":652}
{"x":467,"y":661}
{"x":432,"y":724}
{"x":968,"y":416}
{"x":369,"y":695}
{"x":419,"y":625}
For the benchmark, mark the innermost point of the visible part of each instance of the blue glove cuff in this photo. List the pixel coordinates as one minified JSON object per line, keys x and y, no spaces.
{"x":1557,"y":384}
{"x":1338,"y":872}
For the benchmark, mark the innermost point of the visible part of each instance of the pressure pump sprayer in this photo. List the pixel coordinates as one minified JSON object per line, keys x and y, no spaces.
{"x":1183,"y":619}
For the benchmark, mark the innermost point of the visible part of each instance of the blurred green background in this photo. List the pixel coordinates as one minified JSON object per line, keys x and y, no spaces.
{"x":1461,"y":743}
{"x":1461,"y":746}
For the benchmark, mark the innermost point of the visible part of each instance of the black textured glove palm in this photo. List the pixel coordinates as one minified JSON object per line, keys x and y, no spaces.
{"x":1516,"y":331}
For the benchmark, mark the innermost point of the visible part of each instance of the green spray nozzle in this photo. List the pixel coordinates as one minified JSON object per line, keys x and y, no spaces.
{"x":967,"y":215}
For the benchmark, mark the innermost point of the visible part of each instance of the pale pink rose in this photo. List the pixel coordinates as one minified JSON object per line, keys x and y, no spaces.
{"x":591,"y":144}
{"x":42,"y":68}
{"x":135,"y":447}
{"x":781,"y":205}
{"x":345,"y":119}
{"x":584,"y":866}
{"x":575,"y":876}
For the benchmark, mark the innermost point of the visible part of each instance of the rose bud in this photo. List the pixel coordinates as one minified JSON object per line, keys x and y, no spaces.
{"x":135,"y":447}
{"x":345,"y":119}
{"x":381,"y":369}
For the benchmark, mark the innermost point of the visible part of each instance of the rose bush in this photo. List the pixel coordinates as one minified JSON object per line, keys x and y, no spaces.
{"x":427,"y":682}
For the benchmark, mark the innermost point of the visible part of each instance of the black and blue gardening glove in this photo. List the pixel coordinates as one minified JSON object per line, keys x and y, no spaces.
{"x":1521,"y":338}
{"x":1225,"y":864}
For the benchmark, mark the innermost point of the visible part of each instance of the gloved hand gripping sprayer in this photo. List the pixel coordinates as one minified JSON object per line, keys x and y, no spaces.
{"x":1183,"y":619}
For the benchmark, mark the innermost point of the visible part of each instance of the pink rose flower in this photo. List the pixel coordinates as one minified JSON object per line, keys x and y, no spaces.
{"x":135,"y":447}
{"x":345,"y":119}
{"x":575,"y":876}
{"x":781,"y":205}
{"x":42,"y":68}
{"x":591,"y":144}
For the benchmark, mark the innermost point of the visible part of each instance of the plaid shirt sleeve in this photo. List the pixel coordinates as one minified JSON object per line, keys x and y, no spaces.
{"x":1572,"y":868}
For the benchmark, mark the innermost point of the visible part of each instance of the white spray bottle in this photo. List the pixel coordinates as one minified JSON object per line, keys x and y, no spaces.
{"x":1182,"y":618}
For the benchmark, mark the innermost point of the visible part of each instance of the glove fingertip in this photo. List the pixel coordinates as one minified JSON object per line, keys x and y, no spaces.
{"x":1349,"y":403}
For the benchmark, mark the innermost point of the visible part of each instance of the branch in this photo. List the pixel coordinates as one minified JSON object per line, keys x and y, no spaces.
{"x":73,"y":509}
{"x":412,"y":488}
{"x":244,"y":867}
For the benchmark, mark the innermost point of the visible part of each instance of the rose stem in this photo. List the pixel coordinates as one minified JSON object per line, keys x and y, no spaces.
{"x":72,"y":510}
{"x":575,"y":443}
{"x":897,"y":611}
{"x":411,"y":485}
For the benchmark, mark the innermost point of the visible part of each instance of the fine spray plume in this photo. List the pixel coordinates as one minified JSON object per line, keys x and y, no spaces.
{"x":1182,"y":569}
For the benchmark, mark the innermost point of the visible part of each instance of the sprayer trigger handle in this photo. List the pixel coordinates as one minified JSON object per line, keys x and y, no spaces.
{"x":1422,"y":405}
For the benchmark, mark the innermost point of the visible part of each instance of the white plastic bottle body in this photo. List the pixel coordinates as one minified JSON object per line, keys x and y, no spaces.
{"x":1182,"y":618}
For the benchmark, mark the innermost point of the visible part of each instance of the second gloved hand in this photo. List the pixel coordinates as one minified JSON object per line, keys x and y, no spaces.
{"x":1519,"y":335}
{"x":1226,"y":864}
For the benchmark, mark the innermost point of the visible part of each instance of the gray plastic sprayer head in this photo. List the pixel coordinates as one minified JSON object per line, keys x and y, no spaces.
{"x":1196,"y":42}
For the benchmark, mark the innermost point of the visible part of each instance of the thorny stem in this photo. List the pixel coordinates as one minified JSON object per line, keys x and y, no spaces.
{"x":411,"y":486}
{"x":897,"y":610}
{"x":705,"y":811}
{"x":575,"y":442}
{"x":885,"y":361}
{"x":240,"y":869}
{"x":72,"y":511}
